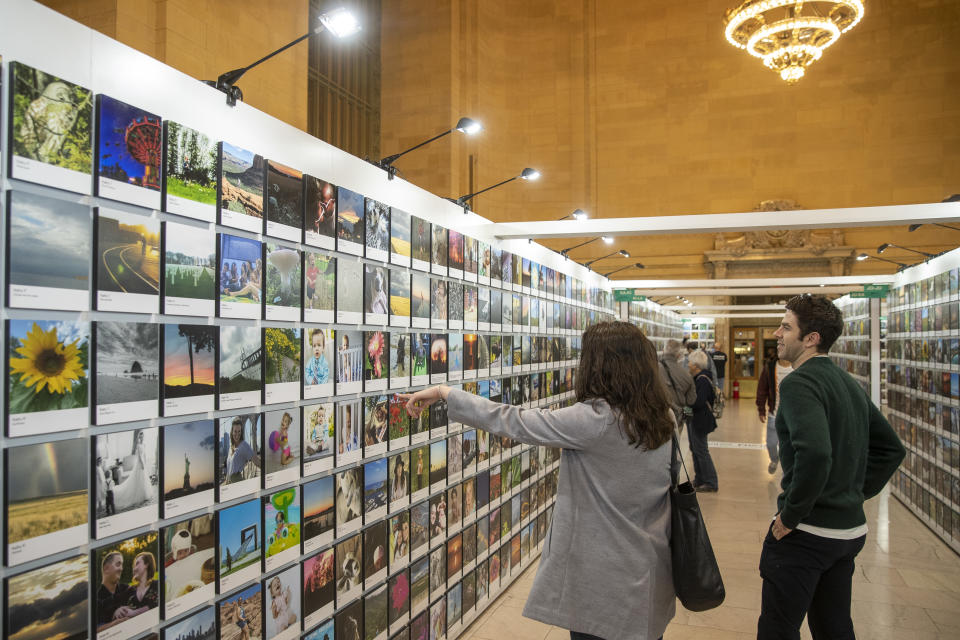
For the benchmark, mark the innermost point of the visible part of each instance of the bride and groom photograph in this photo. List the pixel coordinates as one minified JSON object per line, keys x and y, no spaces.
{"x":127,"y":478}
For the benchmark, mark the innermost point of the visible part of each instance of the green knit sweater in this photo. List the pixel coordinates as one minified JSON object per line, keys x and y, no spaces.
{"x":836,"y":449}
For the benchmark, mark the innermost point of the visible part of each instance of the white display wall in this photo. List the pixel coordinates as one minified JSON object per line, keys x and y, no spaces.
{"x":89,"y":490}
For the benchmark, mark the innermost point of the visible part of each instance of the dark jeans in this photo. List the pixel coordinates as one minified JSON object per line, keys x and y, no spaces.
{"x":576,"y":635}
{"x":703,"y":470}
{"x":804,"y":574}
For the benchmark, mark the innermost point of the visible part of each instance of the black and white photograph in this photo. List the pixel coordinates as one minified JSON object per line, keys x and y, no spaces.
{"x":126,"y":474}
{"x":47,"y":499}
{"x":48,"y":253}
{"x":189,"y":572}
{"x":349,"y":500}
{"x":455,"y":305}
{"x":126,"y":359}
{"x":189,"y":457}
{"x":239,"y":460}
{"x":126,"y":262}
{"x":240,"y":381}
{"x":377,"y":230}
{"x":189,"y":270}
{"x":349,"y":568}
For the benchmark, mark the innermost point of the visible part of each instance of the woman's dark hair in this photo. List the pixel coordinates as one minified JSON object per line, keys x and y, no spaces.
{"x":619,"y":364}
{"x":817,"y":314}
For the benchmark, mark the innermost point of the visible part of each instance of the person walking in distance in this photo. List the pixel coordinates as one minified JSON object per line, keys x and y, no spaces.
{"x":702,"y":423}
{"x":719,"y":364}
{"x":677,"y":379}
{"x":768,"y":396}
{"x":836,"y":450}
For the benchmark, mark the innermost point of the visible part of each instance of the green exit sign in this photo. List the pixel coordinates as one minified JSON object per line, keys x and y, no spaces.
{"x":882,"y":289}
{"x":868,"y":294}
{"x":628,"y":295}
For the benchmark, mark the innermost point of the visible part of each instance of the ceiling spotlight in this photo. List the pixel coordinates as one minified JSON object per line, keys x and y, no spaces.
{"x":623,"y":253}
{"x":578,"y":215}
{"x":862,"y":257}
{"x":887,"y":245}
{"x":469,"y":126}
{"x":607,"y":239}
{"x":464,"y":125}
{"x":530,"y":174}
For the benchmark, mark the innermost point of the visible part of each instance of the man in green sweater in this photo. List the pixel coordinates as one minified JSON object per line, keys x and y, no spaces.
{"x":836,"y":451}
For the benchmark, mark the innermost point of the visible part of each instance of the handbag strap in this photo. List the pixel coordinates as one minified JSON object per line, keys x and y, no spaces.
{"x":674,"y":468}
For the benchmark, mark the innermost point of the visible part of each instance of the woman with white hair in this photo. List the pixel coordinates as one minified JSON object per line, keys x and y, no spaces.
{"x":702,"y":423}
{"x":676,"y":378}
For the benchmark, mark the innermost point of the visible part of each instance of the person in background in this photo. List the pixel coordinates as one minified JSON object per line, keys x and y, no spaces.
{"x":768,"y":397}
{"x":606,"y":570}
{"x":836,"y":450}
{"x":720,"y":364}
{"x":693,"y":346}
{"x":702,"y":423}
{"x":680,"y":388}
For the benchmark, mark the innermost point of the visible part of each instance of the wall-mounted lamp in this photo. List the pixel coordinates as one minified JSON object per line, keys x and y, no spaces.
{"x":466,"y":126}
{"x":621,"y":253}
{"x":635,"y":265}
{"x":914,"y":227}
{"x":606,"y":240}
{"x":578,"y":215}
{"x":526,"y":174}
{"x":887,"y":245}
{"x":340,"y":22}
{"x":863,"y":256}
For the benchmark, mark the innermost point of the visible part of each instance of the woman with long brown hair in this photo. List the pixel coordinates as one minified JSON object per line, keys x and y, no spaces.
{"x":605,"y":570}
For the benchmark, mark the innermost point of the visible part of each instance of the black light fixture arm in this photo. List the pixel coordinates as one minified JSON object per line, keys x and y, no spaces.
{"x":569,"y":249}
{"x":387,"y":161}
{"x":462,"y":200}
{"x":226,"y":81}
{"x":590,"y":262}
{"x":636,"y":265}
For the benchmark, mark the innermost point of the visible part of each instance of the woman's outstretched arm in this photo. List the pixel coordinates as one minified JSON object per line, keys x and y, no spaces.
{"x":569,"y":428}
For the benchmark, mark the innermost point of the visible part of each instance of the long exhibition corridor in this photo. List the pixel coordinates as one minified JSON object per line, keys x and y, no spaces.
{"x":906,"y":587}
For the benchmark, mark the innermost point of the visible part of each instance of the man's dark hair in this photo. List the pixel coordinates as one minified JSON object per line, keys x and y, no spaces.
{"x":817,"y":314}
{"x":692,"y":345}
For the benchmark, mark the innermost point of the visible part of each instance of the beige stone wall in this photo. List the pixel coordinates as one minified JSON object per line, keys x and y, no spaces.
{"x":204,"y":38}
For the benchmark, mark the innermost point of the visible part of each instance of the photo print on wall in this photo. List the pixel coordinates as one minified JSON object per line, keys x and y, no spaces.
{"x":399,"y":237}
{"x":377,"y":230}
{"x":189,"y":564}
{"x":127,"y":262}
{"x":318,"y":513}
{"x":319,"y":588}
{"x":319,"y":430}
{"x":420,"y":236}
{"x":239,"y":543}
{"x":129,"y":150}
{"x":129,"y":570}
{"x":399,"y":298}
{"x":375,"y":552}
{"x":350,"y":222}
{"x":349,"y":438}
{"x":438,"y":250}
{"x":349,"y":620}
{"x":281,"y":527}
{"x":375,"y":491}
{"x":189,"y":270}
{"x":202,"y":625}
{"x":318,"y":359}
{"x":349,"y":500}
{"x":238,"y":456}
{"x":350,"y":357}
{"x":283,"y":605}
{"x":50,"y":130}
{"x":349,"y":291}
{"x":125,"y":472}
{"x":39,"y":227}
{"x":284,"y":202}
{"x":400,"y":348}
{"x":240,"y":615}
{"x":349,"y":567}
{"x":420,"y":301}
{"x":281,"y":447}
{"x":375,"y":425}
{"x":240,"y":188}
{"x":189,"y":173}
{"x":241,"y":366}
{"x":240,"y":277}
{"x":189,"y":458}
{"x":375,"y":614}
{"x":376,"y":298}
{"x":376,"y":360}
{"x":62,"y":587}
{"x":320,"y":212}
{"x":45,"y":396}
{"x":189,"y":368}
{"x":281,"y":352}
{"x":399,"y":424}
{"x":319,"y":287}
{"x":420,"y":355}
{"x":47,"y":499}
{"x":284,"y":288}
{"x":455,"y":254}
{"x":126,"y":359}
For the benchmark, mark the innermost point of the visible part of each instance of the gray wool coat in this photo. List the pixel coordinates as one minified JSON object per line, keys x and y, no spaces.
{"x":605,"y":568}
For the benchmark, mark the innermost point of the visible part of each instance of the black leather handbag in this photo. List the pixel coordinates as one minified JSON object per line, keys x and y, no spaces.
{"x":696,"y":575}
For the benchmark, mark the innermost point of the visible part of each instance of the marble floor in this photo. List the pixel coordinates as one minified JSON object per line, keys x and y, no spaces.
{"x":907,"y":582}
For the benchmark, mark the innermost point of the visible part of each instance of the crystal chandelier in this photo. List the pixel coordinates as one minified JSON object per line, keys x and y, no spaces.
{"x":790,"y":35}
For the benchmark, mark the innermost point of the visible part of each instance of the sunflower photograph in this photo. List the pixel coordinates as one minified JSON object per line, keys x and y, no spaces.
{"x":47,"y":365}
